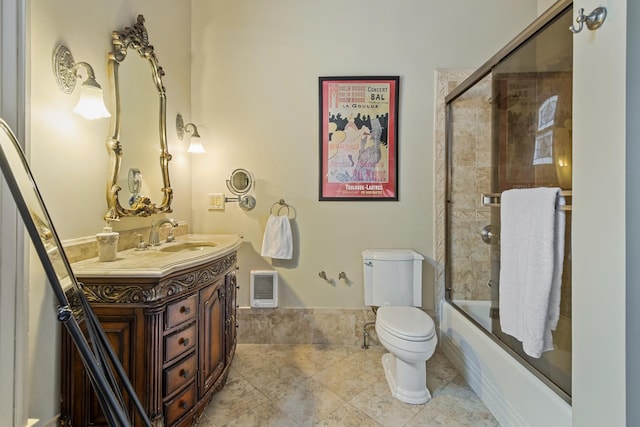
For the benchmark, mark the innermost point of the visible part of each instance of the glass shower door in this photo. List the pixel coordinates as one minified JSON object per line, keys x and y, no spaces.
{"x":532,"y":120}
{"x":511,"y":129}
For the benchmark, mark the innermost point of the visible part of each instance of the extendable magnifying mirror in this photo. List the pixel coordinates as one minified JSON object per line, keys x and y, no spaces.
{"x":241,"y":182}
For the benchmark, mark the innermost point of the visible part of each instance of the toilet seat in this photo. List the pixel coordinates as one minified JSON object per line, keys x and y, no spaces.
{"x":406,"y":323}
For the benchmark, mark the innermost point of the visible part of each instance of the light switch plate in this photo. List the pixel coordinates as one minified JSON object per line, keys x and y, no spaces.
{"x":216,"y":201}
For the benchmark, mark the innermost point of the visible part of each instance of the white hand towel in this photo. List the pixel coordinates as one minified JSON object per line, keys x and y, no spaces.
{"x":531,"y":261}
{"x":277,"y":241}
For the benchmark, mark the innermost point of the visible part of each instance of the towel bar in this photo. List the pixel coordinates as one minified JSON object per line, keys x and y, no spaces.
{"x":280,"y":204}
{"x":492,"y":200}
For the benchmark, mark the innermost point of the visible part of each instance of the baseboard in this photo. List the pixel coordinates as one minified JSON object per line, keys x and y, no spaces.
{"x":328,"y":326}
{"x":36,"y":422}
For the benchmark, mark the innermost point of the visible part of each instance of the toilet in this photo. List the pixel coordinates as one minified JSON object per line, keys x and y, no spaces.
{"x":393,"y":282}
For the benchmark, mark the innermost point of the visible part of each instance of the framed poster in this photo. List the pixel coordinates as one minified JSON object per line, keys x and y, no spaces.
{"x":359,"y":138}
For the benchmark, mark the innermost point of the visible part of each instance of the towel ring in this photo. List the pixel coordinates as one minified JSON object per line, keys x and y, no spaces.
{"x":280,"y":204}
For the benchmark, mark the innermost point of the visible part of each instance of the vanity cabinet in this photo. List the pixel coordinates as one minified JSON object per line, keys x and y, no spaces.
{"x":174,"y":334}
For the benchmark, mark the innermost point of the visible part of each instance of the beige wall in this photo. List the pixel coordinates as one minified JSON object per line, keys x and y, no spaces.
{"x":544,"y":5}
{"x":599,"y":264}
{"x":255,"y":96}
{"x":68,"y":154}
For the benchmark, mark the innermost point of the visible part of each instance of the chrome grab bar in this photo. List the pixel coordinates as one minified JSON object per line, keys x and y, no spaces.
{"x":492,"y":200}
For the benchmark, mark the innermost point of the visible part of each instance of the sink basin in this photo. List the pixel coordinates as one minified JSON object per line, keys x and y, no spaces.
{"x":188,"y":247}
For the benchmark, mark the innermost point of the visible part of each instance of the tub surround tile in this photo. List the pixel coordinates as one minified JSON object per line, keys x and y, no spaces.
{"x":474,"y":111}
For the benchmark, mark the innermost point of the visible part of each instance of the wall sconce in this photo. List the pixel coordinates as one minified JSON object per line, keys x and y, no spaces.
{"x":91,"y":104}
{"x":195,"y":146}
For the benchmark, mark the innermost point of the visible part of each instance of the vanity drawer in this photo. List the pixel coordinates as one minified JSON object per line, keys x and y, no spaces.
{"x":179,"y":342}
{"x":179,"y":374}
{"x":181,"y":311}
{"x":180,"y":405}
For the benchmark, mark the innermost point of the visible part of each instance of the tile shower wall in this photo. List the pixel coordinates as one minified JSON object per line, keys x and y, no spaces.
{"x":472,"y":173}
{"x":471,"y":169}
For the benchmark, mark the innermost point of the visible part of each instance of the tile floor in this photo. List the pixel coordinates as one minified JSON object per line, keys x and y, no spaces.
{"x":314,"y":385}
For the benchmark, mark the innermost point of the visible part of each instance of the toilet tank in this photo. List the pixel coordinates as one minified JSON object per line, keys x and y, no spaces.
{"x":392,"y":277}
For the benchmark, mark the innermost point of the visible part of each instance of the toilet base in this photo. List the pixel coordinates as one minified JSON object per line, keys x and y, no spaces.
{"x":407,"y":381}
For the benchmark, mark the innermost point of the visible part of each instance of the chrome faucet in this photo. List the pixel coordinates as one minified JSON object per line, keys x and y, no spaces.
{"x":154,"y":235}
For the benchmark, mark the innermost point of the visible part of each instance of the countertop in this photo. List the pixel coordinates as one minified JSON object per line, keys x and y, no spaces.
{"x":159,"y":261}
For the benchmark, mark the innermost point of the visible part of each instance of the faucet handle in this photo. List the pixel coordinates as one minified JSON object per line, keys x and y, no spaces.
{"x":141,"y":246}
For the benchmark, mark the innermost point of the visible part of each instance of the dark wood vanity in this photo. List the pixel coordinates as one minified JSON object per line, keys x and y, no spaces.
{"x":174,"y":333}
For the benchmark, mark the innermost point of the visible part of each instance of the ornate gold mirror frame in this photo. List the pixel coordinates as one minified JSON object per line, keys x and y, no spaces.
{"x":135,"y":38}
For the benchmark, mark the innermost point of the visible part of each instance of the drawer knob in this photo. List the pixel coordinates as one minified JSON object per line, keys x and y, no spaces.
{"x":184,"y":341}
{"x":185,"y":310}
{"x":183,"y":405}
{"x":184,"y":373}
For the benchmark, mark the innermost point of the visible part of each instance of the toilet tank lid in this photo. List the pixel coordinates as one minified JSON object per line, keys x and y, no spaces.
{"x":391,"y":254}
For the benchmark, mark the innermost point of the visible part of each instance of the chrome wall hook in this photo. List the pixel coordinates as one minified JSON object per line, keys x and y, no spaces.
{"x":594,"y":20}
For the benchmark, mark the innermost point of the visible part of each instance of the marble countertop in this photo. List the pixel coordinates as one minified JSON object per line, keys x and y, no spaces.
{"x":158,"y":261}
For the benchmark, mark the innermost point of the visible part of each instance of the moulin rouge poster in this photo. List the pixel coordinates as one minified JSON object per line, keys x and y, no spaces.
{"x":358,"y":138}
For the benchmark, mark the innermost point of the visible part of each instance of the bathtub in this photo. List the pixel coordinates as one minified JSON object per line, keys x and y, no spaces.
{"x":479,"y":310}
{"x":515,"y":396}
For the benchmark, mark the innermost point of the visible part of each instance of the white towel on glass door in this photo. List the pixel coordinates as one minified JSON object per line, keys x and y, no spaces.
{"x":277,"y":241}
{"x":531,"y":261}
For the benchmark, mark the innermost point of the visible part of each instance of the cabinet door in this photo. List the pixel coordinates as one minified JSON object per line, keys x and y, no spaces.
{"x":79,"y":405}
{"x":212,"y":354}
{"x":232,"y":311}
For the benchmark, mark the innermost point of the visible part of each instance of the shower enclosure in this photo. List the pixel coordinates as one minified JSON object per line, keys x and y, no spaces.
{"x":509,"y":126}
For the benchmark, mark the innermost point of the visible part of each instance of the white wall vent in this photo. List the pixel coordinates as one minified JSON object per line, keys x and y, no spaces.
{"x":264,"y":288}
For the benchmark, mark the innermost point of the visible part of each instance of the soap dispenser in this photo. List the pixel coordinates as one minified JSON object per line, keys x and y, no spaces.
{"x":107,"y":243}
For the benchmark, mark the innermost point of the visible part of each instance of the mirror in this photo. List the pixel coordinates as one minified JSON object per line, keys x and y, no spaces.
{"x":138,"y":139}
{"x":98,"y":357}
{"x":240,"y":182}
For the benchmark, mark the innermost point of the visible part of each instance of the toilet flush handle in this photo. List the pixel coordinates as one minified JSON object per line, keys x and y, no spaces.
{"x":368,"y":263}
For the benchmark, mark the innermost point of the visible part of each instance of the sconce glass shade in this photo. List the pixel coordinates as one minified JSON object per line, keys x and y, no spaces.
{"x":91,"y":103}
{"x":195,"y":146}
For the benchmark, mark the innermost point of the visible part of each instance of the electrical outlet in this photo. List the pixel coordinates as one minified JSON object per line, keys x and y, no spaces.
{"x":216,"y":201}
